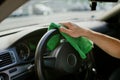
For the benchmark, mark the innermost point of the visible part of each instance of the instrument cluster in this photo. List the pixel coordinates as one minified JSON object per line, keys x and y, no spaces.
{"x":26,"y":48}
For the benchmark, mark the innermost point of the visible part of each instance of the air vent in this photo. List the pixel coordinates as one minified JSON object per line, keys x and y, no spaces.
{"x":6,"y":59}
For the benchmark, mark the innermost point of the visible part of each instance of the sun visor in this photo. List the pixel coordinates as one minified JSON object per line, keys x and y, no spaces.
{"x":2,"y":1}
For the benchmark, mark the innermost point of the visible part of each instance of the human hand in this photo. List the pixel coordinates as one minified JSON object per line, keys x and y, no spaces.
{"x":73,"y":30}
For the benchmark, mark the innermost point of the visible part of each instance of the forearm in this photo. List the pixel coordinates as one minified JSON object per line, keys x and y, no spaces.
{"x":107,"y":43}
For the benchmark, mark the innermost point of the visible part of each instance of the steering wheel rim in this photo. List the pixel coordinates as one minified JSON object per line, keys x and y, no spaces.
{"x":39,"y":50}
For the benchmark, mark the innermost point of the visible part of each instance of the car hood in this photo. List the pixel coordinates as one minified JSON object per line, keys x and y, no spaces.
{"x":11,"y":4}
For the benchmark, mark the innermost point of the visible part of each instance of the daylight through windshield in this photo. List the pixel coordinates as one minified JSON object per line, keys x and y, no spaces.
{"x":72,"y":10}
{"x":47,"y":7}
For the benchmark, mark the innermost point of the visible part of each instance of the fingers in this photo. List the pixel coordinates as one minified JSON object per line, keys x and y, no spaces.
{"x":64,"y":30}
{"x":70,"y":29}
{"x":67,"y":28}
{"x":67,"y":25}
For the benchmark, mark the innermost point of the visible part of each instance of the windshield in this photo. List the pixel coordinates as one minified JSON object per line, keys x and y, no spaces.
{"x":48,"y":7}
{"x":46,"y":11}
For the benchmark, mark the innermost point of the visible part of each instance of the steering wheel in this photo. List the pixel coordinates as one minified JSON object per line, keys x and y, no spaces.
{"x":63,"y":60}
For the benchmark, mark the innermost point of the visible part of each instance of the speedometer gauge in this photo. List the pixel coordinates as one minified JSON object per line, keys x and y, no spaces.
{"x":23,"y":51}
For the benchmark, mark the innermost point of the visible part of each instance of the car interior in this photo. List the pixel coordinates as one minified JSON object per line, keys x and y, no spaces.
{"x":24,"y":54}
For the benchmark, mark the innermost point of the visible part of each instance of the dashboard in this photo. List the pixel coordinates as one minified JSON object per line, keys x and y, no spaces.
{"x":17,"y":52}
{"x":18,"y":48}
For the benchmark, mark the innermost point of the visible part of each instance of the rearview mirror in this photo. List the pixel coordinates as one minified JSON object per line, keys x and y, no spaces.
{"x":104,"y":0}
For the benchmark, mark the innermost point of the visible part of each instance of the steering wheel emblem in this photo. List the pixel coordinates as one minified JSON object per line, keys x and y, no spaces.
{"x":72,"y":60}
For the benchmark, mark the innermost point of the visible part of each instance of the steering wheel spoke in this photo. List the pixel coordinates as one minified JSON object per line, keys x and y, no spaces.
{"x":49,"y":61}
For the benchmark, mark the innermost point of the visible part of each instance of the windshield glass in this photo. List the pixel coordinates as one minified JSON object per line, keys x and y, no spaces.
{"x":46,"y":11}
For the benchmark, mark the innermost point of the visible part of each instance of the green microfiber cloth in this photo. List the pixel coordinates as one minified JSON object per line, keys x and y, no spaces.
{"x":80,"y":44}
